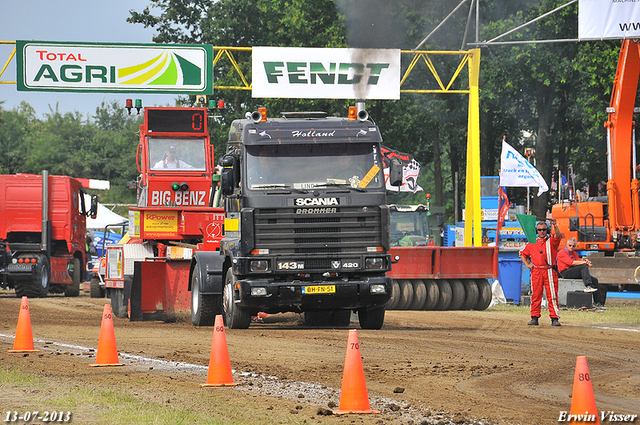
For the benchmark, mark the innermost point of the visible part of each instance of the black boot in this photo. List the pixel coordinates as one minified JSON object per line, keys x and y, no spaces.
{"x":555,"y":322}
{"x":533,"y":321}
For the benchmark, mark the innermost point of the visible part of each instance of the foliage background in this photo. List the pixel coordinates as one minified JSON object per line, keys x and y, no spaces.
{"x":557,"y":92}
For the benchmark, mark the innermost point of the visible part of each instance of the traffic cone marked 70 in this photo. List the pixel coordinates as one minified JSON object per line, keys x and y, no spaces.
{"x":353,"y":395}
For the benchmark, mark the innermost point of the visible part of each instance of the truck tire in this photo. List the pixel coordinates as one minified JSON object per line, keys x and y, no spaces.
{"x":204,"y":308}
{"x":73,"y":290}
{"x":433,"y":294}
{"x":39,"y":286}
{"x":457,"y":294}
{"x":471,"y":294}
{"x":406,"y":295}
{"x":419,"y":295}
{"x":484,"y":294}
{"x":445,"y":295}
{"x":371,"y":317}
{"x":95,"y":290}
{"x":395,"y":296}
{"x":118,"y":302}
{"x":235,"y":318}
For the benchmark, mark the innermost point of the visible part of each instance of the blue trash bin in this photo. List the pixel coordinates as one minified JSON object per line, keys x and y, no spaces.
{"x":510,"y":275}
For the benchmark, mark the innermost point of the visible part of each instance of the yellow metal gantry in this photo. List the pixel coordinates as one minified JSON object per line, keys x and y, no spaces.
{"x":470,"y":59}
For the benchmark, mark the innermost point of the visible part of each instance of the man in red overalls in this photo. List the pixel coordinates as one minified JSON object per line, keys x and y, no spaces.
{"x":539,"y":257}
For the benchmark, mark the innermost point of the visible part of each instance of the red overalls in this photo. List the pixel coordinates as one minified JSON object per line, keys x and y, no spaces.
{"x":542,"y":276}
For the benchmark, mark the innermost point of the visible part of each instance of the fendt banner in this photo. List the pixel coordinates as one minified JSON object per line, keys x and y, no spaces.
{"x":319,"y":73}
{"x":124,"y":68}
{"x":608,"y":19}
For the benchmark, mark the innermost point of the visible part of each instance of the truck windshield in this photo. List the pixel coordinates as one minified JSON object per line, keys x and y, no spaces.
{"x":409,"y":228}
{"x":176,"y":154}
{"x":307,"y":166}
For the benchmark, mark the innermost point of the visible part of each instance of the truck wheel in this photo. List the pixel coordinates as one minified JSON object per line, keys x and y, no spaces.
{"x":371,"y":317}
{"x":204,"y":308}
{"x":484,"y":294}
{"x":433,"y":294}
{"x":406,"y":295}
{"x":419,"y":295}
{"x":95,"y":290}
{"x":471,"y":294}
{"x":457,"y":294}
{"x":445,"y":295}
{"x":340,"y":318}
{"x":118,"y":304}
{"x":395,"y":296}
{"x":73,"y":290}
{"x":235,"y":317}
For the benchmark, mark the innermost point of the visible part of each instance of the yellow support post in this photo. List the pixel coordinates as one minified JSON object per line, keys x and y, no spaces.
{"x":472,"y":222}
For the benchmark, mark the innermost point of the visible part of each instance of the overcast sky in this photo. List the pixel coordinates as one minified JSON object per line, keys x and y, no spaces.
{"x":69,"y":20}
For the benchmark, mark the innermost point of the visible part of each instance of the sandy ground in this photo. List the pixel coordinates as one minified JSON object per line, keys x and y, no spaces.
{"x":423,"y":367}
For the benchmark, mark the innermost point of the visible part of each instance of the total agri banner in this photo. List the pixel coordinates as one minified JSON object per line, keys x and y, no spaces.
{"x":608,"y":19}
{"x":125,"y":68}
{"x":325,"y":73}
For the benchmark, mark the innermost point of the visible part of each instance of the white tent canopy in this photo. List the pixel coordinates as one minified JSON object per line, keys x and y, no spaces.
{"x":105,"y":216}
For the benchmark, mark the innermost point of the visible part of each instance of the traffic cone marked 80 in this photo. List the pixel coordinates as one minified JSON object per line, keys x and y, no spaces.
{"x":583,"y":402}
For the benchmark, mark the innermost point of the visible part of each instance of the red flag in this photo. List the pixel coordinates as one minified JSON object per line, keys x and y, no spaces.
{"x":504,"y":206}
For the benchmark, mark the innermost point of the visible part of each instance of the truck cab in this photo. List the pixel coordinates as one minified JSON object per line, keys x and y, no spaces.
{"x":306,"y":225}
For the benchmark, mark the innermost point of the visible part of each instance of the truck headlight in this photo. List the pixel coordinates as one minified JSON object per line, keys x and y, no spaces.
{"x":258,"y":291}
{"x":259,"y":265}
{"x":377,"y":289}
{"x":375,"y":263}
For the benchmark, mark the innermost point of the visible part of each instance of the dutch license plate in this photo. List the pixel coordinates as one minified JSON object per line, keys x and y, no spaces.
{"x":319,"y":289}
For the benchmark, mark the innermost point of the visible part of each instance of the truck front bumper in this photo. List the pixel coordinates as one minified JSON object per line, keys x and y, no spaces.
{"x":298,"y":296}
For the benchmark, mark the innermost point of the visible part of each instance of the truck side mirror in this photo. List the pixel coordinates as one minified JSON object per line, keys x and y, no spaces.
{"x":395,"y":173}
{"x":230,"y":169}
{"x":93,"y":212}
{"x":440,"y":219}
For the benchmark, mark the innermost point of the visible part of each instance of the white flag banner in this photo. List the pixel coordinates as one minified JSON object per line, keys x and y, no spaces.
{"x":515,"y":170}
{"x":608,"y":19}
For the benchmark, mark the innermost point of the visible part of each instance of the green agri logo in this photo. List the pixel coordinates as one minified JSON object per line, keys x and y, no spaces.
{"x":104,"y":68}
{"x":156,"y":72}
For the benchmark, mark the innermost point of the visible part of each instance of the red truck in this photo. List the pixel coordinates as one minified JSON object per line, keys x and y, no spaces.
{"x":43,"y":233}
{"x":430,"y":277}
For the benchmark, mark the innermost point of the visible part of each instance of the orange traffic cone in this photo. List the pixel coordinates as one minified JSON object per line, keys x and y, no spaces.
{"x":23,"y":342}
{"x":353,"y":395}
{"x":107,"y":354}
{"x":219,"y":364}
{"x":583,"y":403}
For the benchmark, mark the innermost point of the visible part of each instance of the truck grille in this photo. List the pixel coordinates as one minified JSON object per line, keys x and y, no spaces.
{"x":350,"y":230}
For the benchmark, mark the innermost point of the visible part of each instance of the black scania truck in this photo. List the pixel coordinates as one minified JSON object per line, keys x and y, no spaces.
{"x":306,"y":223}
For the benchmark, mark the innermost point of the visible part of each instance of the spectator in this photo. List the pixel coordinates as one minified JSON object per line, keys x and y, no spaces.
{"x":571,"y":266}
{"x":539,"y":258}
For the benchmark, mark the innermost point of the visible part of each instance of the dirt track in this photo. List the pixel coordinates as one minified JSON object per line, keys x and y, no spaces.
{"x":476,"y":366}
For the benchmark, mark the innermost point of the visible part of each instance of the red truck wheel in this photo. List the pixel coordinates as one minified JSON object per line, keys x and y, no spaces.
{"x":457,"y":294}
{"x":395,"y":296}
{"x":484,"y":294}
{"x":73,"y":290}
{"x":445,"y":295}
{"x":471,"y":294}
{"x":406,"y":295}
{"x":419,"y":295}
{"x":433,"y":294}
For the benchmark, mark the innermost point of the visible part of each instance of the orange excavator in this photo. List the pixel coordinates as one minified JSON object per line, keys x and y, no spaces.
{"x":610,"y":225}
